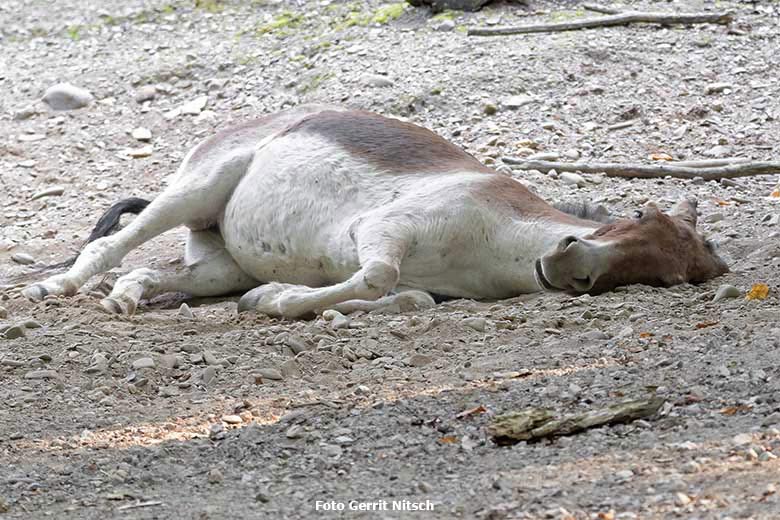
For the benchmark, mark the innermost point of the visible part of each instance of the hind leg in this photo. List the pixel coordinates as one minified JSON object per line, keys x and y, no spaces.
{"x":209,"y":271}
{"x":198,"y":196}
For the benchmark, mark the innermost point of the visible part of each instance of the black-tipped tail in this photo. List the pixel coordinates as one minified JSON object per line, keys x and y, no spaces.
{"x":107,"y":224}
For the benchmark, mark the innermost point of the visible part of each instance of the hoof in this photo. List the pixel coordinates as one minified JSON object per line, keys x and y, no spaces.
{"x":263,"y":299}
{"x":114,"y":306}
{"x":35,"y":292}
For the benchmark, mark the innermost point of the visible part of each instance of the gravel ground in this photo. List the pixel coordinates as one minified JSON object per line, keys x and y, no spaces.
{"x":160,"y":415}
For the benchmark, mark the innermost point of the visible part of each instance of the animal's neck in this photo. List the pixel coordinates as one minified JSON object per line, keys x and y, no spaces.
{"x":541,"y":234}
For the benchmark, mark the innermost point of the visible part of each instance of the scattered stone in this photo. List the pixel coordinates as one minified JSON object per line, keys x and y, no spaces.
{"x":208,"y":374}
{"x":140,"y":153}
{"x":489,"y":109}
{"x":625,"y":474}
{"x":717,"y":88}
{"x":375,"y":80}
{"x":572,"y":154}
{"x":145,"y":93}
{"x":771,"y":419}
{"x":445,"y":26}
{"x":419,"y":360}
{"x":144,"y":362}
{"x":682,"y":499}
{"x":3,"y":313}
{"x":22,"y":258}
{"x":142,"y":134}
{"x":54,"y":191}
{"x":195,"y":106}
{"x":215,"y":476}
{"x":574,"y":179}
{"x":291,"y":369}
{"x":294,"y":432}
{"x":217,"y":431}
{"x":26,"y":113}
{"x":210,"y":359}
{"x":14,"y":332}
{"x":477,"y":324}
{"x":690,"y":467}
{"x":719,"y":151}
{"x":269,"y":373}
{"x":169,"y":361}
{"x":726,"y":291}
{"x":65,"y":96}
{"x":714,"y":217}
{"x":742,"y":439}
{"x":296,"y":344}
{"x":515,"y":102}
{"x":232,"y":419}
{"x":41,"y":374}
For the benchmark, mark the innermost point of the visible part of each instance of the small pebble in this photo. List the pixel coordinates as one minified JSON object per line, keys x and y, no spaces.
{"x":65,"y":96}
{"x":144,"y":362}
{"x":41,"y":374}
{"x":477,"y":324}
{"x":22,"y":258}
{"x":145,"y":93}
{"x":15,"y":331}
{"x":573,"y":179}
{"x":269,"y":373}
{"x":232,"y":419}
{"x":215,"y":476}
{"x":142,"y":134}
{"x":195,"y":106}
{"x":726,"y":291}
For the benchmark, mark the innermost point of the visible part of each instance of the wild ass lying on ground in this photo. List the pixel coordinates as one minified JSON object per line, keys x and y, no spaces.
{"x":321,"y":207}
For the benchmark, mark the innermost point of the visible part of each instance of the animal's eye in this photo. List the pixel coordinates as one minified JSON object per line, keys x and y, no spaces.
{"x":638,"y":213}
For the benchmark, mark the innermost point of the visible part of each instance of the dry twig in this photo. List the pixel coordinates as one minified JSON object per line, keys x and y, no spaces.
{"x":712,"y":170}
{"x":624,"y":18}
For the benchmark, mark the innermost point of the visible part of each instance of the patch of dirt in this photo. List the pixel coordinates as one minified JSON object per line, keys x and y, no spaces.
{"x":369,"y":413}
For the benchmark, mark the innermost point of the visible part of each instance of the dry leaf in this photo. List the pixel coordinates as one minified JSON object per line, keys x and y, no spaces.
{"x":759,"y":291}
{"x":775,"y":193}
{"x":723,"y":203}
{"x":449,"y":439}
{"x":705,"y":324}
{"x":661,"y":156}
{"x":732,"y":410}
{"x":472,"y":411}
{"x":609,"y":515}
{"x":646,"y":334}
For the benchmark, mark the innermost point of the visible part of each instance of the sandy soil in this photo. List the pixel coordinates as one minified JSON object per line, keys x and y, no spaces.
{"x":370,"y":413}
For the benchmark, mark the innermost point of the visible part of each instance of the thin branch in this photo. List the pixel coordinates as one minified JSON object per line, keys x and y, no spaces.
{"x":646,"y":171}
{"x":607,"y":21}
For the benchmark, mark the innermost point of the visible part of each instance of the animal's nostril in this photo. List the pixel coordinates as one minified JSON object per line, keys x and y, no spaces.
{"x":567,"y":241}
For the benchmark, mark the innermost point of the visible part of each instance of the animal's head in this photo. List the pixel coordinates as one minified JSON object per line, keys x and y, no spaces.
{"x":652,"y":248}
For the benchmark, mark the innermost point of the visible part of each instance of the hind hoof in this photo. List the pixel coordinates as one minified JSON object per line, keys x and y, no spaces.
{"x":35,"y":292}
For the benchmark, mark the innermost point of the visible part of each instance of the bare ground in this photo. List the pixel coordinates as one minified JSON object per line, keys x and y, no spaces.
{"x":369,"y":413}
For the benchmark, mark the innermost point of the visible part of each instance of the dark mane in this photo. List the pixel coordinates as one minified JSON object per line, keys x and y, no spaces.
{"x":585,"y":210}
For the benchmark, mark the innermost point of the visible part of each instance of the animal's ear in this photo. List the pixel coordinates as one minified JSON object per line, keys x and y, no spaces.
{"x":685,"y":210}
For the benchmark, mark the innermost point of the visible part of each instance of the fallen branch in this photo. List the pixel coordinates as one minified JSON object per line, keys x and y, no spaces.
{"x":537,"y":423}
{"x":624,"y":18}
{"x":731,"y":170}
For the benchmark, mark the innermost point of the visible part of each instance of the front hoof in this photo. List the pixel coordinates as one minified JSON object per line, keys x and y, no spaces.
{"x":114,"y":306}
{"x":35,"y":292}
{"x":263,"y":299}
